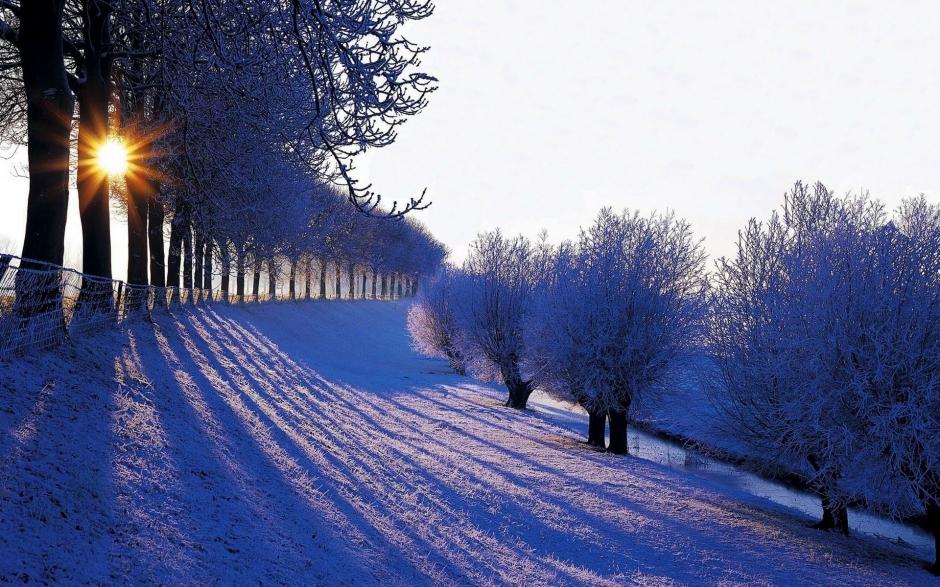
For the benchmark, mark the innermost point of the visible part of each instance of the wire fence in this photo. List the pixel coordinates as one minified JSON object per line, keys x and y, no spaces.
{"x":42,"y":305}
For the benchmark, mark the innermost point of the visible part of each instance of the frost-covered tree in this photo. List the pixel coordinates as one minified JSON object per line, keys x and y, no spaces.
{"x":794,"y":315}
{"x":895,"y":355}
{"x":433,"y":324}
{"x":622,"y":305}
{"x":493,"y":294}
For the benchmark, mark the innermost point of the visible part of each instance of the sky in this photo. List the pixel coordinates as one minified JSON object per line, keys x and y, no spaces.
{"x":548,"y":111}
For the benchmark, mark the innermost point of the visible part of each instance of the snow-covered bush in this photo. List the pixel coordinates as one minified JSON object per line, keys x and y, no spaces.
{"x":432,"y":323}
{"x":793,"y":316}
{"x":493,"y":294}
{"x":620,"y":306}
{"x":899,"y":364}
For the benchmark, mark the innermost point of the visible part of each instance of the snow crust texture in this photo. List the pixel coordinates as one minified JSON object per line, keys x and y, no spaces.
{"x":308,"y":444}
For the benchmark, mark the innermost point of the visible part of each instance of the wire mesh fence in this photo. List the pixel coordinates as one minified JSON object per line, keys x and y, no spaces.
{"x":42,"y":304}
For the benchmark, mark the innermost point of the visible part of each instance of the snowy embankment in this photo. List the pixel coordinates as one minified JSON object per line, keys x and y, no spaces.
{"x":307,"y":444}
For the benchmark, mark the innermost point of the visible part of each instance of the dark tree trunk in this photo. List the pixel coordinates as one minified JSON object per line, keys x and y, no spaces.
{"x":307,"y":278}
{"x":155,"y":219}
{"x":362,"y":291}
{"x":188,"y":256}
{"x":322,"y":280}
{"x":225,"y":256}
{"x":835,"y":516}
{"x":176,"y":248}
{"x":339,"y":293}
{"x":519,"y":390}
{"x":240,"y":275}
{"x":49,"y":108}
{"x":256,"y":279}
{"x":352,"y":281}
{"x":138,"y":200}
{"x":137,"y":254}
{"x":933,"y":525}
{"x":400,"y":286}
{"x":207,"y":269}
{"x":456,"y":361}
{"x":618,"y":432}
{"x":272,"y":279}
{"x":93,"y":96}
{"x":597,"y":424}
{"x":200,"y":251}
{"x":384,"y":285}
{"x":173,"y":257}
{"x":374,"y":279}
{"x":292,"y":282}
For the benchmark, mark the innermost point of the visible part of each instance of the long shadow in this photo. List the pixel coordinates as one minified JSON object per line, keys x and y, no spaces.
{"x":744,"y":510}
{"x":239,"y":421}
{"x":400,"y":460}
{"x":349,"y":451}
{"x":238,"y":520}
{"x":342,"y":486}
{"x":55,"y":466}
{"x":376,"y":425}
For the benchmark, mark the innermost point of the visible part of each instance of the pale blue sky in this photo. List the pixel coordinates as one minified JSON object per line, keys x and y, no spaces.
{"x":549,"y":110}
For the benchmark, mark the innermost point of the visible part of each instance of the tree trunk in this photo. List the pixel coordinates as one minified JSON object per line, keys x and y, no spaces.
{"x":456,"y":361}
{"x":200,"y":251}
{"x":137,"y":253}
{"x":322,"y":279}
{"x":618,"y":432}
{"x":93,"y":182}
{"x":49,"y":108}
{"x":399,"y":286}
{"x":173,"y":258}
{"x":240,"y":275}
{"x":307,"y":280}
{"x":272,"y":279}
{"x":256,"y":278}
{"x":225,"y":255}
{"x":519,"y":390}
{"x":362,"y":291}
{"x":155,"y":219}
{"x":384,"y":285}
{"x":339,"y":294}
{"x":597,"y":423}
{"x":207,"y":269}
{"x":188,"y":257}
{"x":374,"y":279}
{"x":352,"y":281}
{"x":292,"y":282}
{"x":94,"y":94}
{"x":933,"y":525}
{"x":835,"y":516}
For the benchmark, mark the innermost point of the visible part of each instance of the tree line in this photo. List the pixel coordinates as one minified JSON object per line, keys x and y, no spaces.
{"x":241,"y":118}
{"x":818,"y":342}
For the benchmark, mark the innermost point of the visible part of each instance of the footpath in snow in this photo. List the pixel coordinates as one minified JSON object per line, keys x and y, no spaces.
{"x":306,"y":443}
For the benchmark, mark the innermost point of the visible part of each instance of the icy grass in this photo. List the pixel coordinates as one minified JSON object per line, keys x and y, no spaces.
{"x":307,"y":444}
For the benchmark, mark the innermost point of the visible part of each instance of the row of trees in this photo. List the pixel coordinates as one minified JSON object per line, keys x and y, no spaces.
{"x":237,"y":115}
{"x":824,"y":330}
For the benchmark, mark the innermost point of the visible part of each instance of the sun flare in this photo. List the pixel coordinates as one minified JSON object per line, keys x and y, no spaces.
{"x":112,"y":157}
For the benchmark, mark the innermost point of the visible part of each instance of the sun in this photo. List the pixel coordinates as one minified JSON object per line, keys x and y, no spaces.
{"x":112,"y":157}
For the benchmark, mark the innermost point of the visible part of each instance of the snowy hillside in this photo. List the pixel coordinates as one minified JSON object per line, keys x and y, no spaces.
{"x":306,"y":443}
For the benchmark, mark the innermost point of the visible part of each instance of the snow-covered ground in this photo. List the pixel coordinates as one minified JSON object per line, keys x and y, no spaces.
{"x":306,"y":443}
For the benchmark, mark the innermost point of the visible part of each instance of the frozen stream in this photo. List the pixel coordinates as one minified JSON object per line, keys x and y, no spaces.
{"x":671,"y":454}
